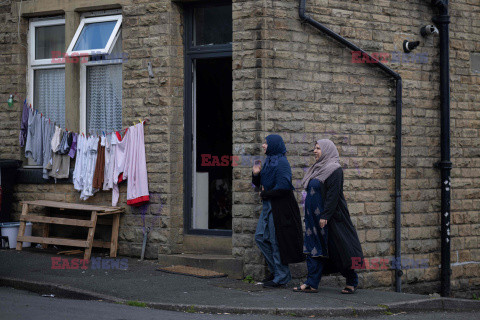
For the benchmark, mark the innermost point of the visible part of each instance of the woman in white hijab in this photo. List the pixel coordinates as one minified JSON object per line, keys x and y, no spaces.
{"x":329,"y":249}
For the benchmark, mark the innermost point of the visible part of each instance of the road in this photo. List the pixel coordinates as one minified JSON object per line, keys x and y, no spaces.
{"x":17,"y":304}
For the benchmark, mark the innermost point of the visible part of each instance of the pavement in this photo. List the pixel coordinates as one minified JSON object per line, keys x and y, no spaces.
{"x":31,"y":270}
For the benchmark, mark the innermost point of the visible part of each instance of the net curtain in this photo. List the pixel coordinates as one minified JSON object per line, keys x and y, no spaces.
{"x":104,"y":98}
{"x":49,"y":94}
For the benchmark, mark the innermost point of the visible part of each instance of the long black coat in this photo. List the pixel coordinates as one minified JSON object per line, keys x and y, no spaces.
{"x":343,"y":242}
{"x":287,"y":221}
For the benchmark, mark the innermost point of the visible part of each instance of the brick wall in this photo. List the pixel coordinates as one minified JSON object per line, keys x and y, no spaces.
{"x":292,"y":80}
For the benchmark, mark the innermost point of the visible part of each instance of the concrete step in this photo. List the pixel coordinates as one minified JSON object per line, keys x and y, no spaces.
{"x":207,"y":244}
{"x":227,"y":264}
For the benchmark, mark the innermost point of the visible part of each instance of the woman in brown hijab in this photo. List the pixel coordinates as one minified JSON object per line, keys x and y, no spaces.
{"x":329,"y":249}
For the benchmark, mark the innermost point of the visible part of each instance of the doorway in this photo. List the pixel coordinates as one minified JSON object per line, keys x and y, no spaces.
{"x":208,"y":119}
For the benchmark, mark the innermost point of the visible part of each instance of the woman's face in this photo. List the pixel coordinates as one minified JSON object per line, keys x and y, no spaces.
{"x":265,"y":146}
{"x":317,"y":151}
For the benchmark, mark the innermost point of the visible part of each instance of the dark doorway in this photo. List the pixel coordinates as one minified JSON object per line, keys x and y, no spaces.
{"x":213,"y":136}
{"x":208,"y":119}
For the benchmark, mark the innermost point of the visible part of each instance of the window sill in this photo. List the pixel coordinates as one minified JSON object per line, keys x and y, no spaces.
{"x":31,"y":175}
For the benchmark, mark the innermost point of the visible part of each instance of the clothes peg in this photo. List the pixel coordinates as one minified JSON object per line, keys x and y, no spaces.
{"x":139,"y":121}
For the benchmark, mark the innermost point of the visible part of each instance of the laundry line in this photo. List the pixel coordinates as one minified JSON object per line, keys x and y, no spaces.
{"x":144,"y":121}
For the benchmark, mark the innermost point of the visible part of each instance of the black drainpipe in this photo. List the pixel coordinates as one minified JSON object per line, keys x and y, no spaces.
{"x":398,"y":132}
{"x":445,"y":165}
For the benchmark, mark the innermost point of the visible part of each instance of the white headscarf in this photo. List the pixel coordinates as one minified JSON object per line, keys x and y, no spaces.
{"x":328,"y":162}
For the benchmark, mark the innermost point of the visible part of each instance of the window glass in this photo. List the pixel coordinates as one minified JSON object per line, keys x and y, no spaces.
{"x":49,"y":94}
{"x":48,"y":39}
{"x":94,"y":35}
{"x":104,"y":98}
{"x":212,"y":25}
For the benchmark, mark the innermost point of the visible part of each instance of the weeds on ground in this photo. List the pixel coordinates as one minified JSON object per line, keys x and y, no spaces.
{"x":136,"y":304}
{"x":248,"y":279}
{"x":387,"y":311}
{"x":190,"y":309}
{"x":476,"y":297}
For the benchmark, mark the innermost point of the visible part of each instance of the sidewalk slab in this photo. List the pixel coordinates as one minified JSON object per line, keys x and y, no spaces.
{"x":31,"y":270}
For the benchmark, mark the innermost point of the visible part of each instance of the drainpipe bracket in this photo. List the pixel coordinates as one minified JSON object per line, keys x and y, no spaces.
{"x":441,"y":19}
{"x":443,"y":165}
{"x":399,"y":272}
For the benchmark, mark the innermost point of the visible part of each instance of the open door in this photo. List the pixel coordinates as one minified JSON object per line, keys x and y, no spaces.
{"x":208,"y":120}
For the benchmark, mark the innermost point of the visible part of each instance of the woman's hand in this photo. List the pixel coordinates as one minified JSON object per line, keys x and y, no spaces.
{"x":323,"y":223}
{"x":256,"y":169}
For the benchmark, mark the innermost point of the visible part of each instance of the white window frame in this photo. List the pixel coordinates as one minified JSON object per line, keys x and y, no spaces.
{"x":110,"y":43}
{"x":38,"y":64}
{"x":35,"y":64}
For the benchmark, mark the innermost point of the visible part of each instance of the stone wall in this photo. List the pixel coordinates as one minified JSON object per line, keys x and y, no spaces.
{"x":293,"y":80}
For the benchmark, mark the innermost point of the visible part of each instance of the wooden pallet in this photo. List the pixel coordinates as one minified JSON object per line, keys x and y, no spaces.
{"x":91,"y":224}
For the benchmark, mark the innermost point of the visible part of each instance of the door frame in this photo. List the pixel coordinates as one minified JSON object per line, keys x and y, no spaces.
{"x":192,"y":53}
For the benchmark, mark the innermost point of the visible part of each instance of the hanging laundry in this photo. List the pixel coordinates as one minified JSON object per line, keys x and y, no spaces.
{"x":101,"y":163}
{"x":119,"y":163}
{"x":64,"y":146}
{"x":33,"y":147}
{"x":55,"y":144}
{"x":63,"y":143}
{"x":110,"y":146}
{"x":48,"y":131}
{"x":60,"y":167}
{"x":91,"y":159}
{"x":99,"y":175}
{"x":73,"y":145}
{"x":135,"y":170}
{"x":24,"y":124}
{"x":78,"y":172}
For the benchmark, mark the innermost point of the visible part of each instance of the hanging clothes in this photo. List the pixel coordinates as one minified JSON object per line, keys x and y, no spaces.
{"x":73,"y":145}
{"x":91,"y":159}
{"x":48,"y":131}
{"x":64,"y":144}
{"x":24,"y":124}
{"x":99,"y":174}
{"x":119,"y":163}
{"x":55,"y":144}
{"x":60,"y":167}
{"x":78,"y":173}
{"x":110,"y":146}
{"x":33,"y":147}
{"x":135,"y":170}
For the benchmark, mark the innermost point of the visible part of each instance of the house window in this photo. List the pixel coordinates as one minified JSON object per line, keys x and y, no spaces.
{"x":96,"y":35}
{"x":46,"y":76}
{"x":100,"y":39}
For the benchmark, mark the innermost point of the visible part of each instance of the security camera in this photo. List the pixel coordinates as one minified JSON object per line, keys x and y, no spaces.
{"x":428,"y":30}
{"x":409,"y":46}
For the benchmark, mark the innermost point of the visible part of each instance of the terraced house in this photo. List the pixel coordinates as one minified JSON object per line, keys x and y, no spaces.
{"x":395,"y":84}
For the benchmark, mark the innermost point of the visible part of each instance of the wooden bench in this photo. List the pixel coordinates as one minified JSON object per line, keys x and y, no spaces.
{"x":96,"y":212}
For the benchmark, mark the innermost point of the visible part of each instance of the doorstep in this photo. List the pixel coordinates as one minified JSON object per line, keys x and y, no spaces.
{"x":227,"y":264}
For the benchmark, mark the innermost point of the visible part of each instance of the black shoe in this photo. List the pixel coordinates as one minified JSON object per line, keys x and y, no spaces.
{"x":273,"y":285}
{"x":268,"y":278}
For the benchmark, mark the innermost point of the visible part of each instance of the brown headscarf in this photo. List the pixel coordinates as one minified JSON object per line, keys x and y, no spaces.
{"x":329,"y":162}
